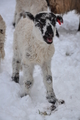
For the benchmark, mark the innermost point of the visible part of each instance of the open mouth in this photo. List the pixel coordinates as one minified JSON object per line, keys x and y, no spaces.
{"x":49,"y":40}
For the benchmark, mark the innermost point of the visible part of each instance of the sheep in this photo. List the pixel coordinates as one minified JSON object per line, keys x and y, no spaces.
{"x":63,"y":6}
{"x":2,"y":37}
{"x":33,"y":45}
{"x":33,"y":6}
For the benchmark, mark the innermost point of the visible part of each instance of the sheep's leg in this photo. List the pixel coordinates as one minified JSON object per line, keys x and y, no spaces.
{"x":17,"y":17}
{"x":28,"y":78}
{"x":79,"y":24}
{"x":14,"y":21}
{"x":47,"y":78}
{"x":16,"y":68}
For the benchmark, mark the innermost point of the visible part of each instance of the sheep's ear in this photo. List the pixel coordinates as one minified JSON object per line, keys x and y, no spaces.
{"x":59,"y":19}
{"x":30,"y":16}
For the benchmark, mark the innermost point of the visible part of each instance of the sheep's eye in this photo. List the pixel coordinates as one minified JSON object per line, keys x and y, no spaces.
{"x":39,"y":24}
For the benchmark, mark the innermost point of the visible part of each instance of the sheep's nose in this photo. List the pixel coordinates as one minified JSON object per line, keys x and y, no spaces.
{"x":51,"y":35}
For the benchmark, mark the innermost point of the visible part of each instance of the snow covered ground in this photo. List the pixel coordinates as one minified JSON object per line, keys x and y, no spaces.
{"x":66,"y":75}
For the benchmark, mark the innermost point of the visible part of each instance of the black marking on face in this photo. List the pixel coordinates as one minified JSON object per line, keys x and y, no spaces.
{"x":46,"y":22}
{"x":49,"y":30}
{"x":40,"y":23}
{"x":48,"y":35}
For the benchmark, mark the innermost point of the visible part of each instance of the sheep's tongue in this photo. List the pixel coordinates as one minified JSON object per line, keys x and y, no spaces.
{"x":49,"y":40}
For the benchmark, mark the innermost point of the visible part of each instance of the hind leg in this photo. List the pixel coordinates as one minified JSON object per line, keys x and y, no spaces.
{"x":16,"y":68}
{"x":17,"y":17}
{"x":14,"y":21}
{"x":27,"y":77}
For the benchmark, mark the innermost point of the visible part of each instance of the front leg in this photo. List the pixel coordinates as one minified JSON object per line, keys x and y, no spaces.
{"x":47,"y":78}
{"x":16,"y":68}
{"x":27,"y":78}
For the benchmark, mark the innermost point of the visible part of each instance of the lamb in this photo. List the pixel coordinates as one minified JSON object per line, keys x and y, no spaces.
{"x":2,"y":37}
{"x":63,"y":6}
{"x":33,"y":44}
{"x":33,"y":6}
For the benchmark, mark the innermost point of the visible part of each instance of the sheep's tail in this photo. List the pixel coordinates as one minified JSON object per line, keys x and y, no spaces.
{"x":49,"y":8}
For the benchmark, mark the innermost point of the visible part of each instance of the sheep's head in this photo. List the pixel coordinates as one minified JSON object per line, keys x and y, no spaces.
{"x":45,"y":25}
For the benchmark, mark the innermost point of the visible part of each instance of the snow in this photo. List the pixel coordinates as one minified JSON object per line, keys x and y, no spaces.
{"x":65,"y":71}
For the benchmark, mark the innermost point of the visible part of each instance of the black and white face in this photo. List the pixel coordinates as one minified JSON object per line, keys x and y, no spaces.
{"x":46,"y":23}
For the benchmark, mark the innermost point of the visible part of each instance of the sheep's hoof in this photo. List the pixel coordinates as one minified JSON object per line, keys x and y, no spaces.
{"x":58,"y":102}
{"x":16,"y":79}
{"x":51,"y":99}
{"x":23,"y":95}
{"x":53,"y":107}
{"x":55,"y":101}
